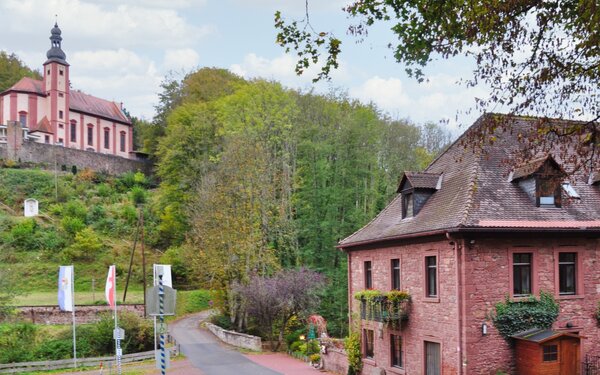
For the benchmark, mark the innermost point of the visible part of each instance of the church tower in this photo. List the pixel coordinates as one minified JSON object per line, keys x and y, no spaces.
{"x":56,"y":86}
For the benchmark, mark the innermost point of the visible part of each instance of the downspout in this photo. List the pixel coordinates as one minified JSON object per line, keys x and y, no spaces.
{"x":349,"y":291}
{"x":459,"y":300}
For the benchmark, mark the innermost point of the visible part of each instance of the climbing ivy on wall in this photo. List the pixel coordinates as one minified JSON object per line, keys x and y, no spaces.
{"x":512,"y":317}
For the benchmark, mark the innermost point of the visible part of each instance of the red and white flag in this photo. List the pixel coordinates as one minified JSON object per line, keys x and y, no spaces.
{"x":110,"y":286}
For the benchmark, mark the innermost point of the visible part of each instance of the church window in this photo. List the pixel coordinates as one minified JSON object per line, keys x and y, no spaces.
{"x":122,"y":141}
{"x":90,"y":135}
{"x":106,"y":138}
{"x":73,"y":131}
{"x":23,"y":119}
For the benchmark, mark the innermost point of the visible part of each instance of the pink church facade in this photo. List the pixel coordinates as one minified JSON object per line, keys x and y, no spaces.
{"x":53,"y":113}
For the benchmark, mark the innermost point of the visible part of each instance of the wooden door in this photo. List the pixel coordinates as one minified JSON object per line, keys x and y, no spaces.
{"x":432,"y":358}
{"x":569,"y":356}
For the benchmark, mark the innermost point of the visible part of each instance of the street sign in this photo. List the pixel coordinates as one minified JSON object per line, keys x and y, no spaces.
{"x":169,"y":301}
{"x":167,"y":359}
{"x":119,"y":352}
{"x":119,"y":333}
{"x":161,"y":328}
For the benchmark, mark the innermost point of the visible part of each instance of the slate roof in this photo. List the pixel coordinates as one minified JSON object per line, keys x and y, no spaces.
{"x":420,"y":180}
{"x":43,"y":126}
{"x":476,"y":194}
{"x":78,"y":101}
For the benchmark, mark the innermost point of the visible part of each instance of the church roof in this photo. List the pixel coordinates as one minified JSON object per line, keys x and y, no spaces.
{"x":43,"y":126}
{"x":476,"y":195}
{"x":78,"y":102}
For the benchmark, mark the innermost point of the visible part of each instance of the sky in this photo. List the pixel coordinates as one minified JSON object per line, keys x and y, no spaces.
{"x":122,"y":50}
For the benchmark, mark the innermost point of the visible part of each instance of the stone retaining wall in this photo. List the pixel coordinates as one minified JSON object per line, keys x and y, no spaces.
{"x":237,"y":339}
{"x":335,"y":358}
{"x":47,"y":155}
{"x":83,"y":314}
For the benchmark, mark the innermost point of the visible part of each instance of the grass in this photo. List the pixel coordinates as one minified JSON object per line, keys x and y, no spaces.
{"x":81,"y":298}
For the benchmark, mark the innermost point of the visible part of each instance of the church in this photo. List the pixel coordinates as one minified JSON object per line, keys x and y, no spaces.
{"x":50,"y":112}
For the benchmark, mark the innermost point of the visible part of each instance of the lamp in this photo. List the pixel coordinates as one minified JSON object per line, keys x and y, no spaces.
{"x":484,"y":329}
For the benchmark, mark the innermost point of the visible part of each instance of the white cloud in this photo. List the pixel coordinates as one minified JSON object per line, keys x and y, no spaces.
{"x":388,"y":94}
{"x":180,"y":59}
{"x":107,"y":61}
{"x":103,"y":26}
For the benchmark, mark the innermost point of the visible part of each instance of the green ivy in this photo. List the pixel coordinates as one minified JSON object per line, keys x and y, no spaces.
{"x":512,"y":317}
{"x":352,"y":346}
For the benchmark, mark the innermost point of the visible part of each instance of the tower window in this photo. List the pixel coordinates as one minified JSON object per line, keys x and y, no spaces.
{"x":23,"y":119}
{"x":61,"y":72}
{"x":61,"y":114}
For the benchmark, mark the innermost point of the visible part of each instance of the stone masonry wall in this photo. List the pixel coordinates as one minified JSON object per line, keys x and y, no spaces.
{"x":488,"y":283}
{"x":83,"y":314}
{"x":433,"y":320}
{"x":237,"y":339}
{"x":46,"y":154}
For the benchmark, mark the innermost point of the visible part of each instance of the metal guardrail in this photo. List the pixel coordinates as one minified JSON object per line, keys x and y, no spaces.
{"x":12,"y":368}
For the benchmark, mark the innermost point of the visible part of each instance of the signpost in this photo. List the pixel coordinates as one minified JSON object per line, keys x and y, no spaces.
{"x":161,"y":301}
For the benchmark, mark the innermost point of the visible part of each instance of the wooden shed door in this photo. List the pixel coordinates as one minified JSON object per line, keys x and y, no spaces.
{"x":432,"y":358}
{"x":569,"y":356}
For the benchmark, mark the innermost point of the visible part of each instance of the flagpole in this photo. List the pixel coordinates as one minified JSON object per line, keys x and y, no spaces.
{"x":73,"y":311}
{"x":118,"y":338}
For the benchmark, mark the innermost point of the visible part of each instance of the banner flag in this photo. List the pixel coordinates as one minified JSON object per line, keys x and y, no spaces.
{"x":65,"y":288}
{"x":165,"y":270}
{"x":110,"y":286}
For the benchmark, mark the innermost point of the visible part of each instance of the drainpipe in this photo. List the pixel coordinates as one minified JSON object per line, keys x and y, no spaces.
{"x":458,"y":251}
{"x":349,"y":291}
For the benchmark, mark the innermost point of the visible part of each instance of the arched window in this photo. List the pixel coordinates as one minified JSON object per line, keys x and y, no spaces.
{"x":106,"y":138}
{"x":23,"y":119}
{"x":73,"y":131}
{"x":90,"y":135}
{"x":122,"y":141}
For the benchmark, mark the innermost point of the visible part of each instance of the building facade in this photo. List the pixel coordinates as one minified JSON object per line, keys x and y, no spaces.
{"x":53,"y":113}
{"x":478,"y":227}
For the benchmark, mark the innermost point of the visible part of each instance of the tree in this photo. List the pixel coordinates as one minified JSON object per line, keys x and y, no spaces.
{"x":277,"y":299}
{"x":537,"y":56}
{"x":12,"y":69}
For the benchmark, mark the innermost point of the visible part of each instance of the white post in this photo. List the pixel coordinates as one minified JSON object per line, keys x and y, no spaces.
{"x":74,"y":334}
{"x":118,"y":337}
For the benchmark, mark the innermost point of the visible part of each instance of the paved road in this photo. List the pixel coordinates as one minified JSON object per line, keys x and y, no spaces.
{"x":207,"y":354}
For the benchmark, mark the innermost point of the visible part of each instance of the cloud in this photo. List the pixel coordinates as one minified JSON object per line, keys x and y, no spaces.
{"x":180,"y":59}
{"x":103,"y":25}
{"x":387,"y":93}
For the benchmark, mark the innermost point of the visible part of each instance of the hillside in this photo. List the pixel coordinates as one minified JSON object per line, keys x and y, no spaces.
{"x":87,"y":219}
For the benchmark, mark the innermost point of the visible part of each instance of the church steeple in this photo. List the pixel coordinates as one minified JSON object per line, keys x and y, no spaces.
{"x":55,"y":53}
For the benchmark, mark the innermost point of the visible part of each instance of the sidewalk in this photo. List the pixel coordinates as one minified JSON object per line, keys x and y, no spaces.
{"x":284,"y":364}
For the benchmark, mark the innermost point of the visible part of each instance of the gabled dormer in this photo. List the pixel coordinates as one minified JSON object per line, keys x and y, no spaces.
{"x":416,"y":188}
{"x":542,"y":180}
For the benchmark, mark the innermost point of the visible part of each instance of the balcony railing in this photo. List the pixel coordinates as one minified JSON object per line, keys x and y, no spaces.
{"x":380,"y":309}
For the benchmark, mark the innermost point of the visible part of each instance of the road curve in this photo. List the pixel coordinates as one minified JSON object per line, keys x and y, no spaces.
{"x":208,"y":354}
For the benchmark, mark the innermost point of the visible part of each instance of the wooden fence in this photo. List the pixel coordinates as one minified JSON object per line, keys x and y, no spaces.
{"x":11,"y":368}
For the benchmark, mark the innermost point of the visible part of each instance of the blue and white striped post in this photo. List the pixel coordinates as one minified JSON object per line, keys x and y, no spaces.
{"x":161,"y":309}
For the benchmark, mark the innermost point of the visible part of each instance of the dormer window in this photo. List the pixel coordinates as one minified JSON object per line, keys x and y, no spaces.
{"x":541,"y":180}
{"x":416,"y":189}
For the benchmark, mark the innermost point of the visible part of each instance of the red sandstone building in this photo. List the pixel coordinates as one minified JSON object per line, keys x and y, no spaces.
{"x":52,"y":113}
{"x":476,"y":226}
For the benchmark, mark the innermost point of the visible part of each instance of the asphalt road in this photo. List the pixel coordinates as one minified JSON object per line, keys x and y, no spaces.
{"x":206,"y":353}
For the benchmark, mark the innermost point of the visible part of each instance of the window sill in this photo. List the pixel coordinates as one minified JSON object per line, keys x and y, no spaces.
{"x":569,"y":296}
{"x":397,"y":370}
{"x":431,"y":299}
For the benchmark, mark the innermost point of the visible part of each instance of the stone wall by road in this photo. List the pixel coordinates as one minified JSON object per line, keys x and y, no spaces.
{"x":237,"y":339}
{"x":65,"y":158}
{"x":83,"y":314}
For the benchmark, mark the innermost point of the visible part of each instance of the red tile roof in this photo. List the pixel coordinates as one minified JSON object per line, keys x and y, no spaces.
{"x":79,"y":101}
{"x":475,"y":193}
{"x":43,"y":126}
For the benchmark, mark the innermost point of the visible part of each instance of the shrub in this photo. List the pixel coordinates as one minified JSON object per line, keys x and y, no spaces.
{"x":17,"y":342}
{"x":95,"y":214}
{"x":75,"y":208}
{"x":129,"y":214}
{"x":512,"y":317}
{"x":72,"y":225}
{"x":314,"y":358}
{"x":295,"y":346}
{"x":104,"y":190}
{"x":86,"y":245}
{"x":138,"y":195}
{"x":352,"y":345}
{"x":222,"y":321}
{"x":138,"y":334}
{"x":22,"y":235}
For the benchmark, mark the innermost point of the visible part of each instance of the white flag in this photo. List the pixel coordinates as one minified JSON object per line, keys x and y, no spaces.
{"x":110,"y":286}
{"x":65,"y":288}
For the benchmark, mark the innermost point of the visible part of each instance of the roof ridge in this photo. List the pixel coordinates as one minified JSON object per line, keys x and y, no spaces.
{"x":348,"y":238}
